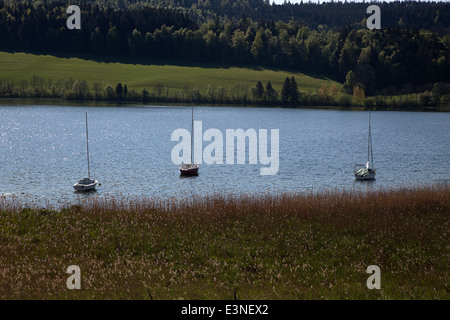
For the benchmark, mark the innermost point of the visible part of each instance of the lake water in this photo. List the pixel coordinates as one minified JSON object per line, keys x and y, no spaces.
{"x":43,"y":150}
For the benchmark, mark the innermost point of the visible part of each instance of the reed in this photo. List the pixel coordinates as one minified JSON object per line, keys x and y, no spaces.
{"x":314,"y":245}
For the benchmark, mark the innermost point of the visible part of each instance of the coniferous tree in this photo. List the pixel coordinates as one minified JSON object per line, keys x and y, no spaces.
{"x":260,"y":90}
{"x":271,"y":93}
{"x":286,"y":90}
{"x":294,"y":91}
{"x":119,"y":89}
{"x":145,"y":95}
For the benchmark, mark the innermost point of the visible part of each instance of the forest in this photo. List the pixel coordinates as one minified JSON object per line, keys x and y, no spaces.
{"x":410,"y":54}
{"x":333,"y":14}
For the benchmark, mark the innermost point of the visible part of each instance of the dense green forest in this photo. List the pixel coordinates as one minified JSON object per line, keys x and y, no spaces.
{"x":333,"y":14}
{"x":330,"y":39}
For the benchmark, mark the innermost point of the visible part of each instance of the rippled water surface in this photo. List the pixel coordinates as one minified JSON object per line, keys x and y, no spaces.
{"x":43,"y":150}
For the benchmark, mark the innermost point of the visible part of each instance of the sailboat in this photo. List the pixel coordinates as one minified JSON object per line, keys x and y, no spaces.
{"x":86,"y":184}
{"x":367,"y":171}
{"x":190,"y":169}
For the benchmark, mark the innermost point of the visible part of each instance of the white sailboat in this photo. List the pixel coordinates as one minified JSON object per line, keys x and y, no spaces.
{"x":86,"y":184}
{"x":367,"y":171}
{"x":190,"y":169}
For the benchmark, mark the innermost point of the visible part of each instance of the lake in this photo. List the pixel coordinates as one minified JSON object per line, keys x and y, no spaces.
{"x":43,"y":150}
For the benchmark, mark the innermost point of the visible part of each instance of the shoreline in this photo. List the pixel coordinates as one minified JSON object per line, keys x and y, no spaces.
{"x":25,"y":200}
{"x":97,"y":103}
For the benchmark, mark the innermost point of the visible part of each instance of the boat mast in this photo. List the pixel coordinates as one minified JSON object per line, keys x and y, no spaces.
{"x":369,"y":144}
{"x":87,"y":147}
{"x":192,"y":135}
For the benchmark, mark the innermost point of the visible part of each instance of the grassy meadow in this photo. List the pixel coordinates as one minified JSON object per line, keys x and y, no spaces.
{"x":19,"y":67}
{"x":288,"y":246}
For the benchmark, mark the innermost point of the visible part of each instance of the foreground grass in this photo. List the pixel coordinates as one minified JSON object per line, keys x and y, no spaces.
{"x":22,"y":66}
{"x":291,"y":246}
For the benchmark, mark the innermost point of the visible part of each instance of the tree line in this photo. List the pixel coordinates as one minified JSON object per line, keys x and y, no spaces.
{"x":260,"y":94}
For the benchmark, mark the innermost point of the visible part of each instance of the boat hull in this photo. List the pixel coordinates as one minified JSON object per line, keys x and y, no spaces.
{"x":85,"y":187}
{"x":370,"y":176}
{"x":364,"y":174}
{"x":189,"y":170}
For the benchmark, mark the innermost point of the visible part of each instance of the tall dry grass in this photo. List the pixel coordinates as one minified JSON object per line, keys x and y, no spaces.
{"x":287,"y":246}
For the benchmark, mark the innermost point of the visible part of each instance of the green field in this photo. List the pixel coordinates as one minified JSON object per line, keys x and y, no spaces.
{"x":22,"y":66}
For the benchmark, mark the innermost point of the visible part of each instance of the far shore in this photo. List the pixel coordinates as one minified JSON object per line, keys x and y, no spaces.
{"x":96,"y":103}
